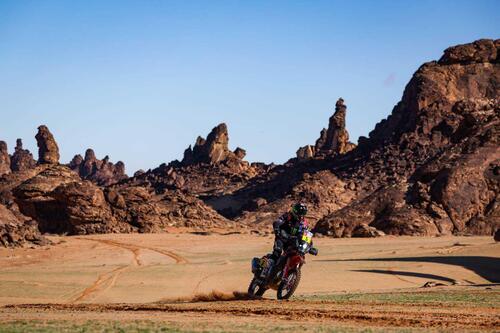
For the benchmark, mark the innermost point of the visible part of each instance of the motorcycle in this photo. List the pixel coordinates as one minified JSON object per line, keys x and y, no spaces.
{"x":284,"y":276}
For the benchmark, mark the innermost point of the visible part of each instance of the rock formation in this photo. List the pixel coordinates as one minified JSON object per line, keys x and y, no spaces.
{"x":431,"y":168}
{"x":212,"y":150}
{"x":209,"y":169}
{"x":336,"y":139}
{"x":61,"y":202}
{"x":101,"y":172}
{"x":440,"y":142}
{"x":4,"y":159}
{"x":332,"y":141}
{"x":22,"y":159}
{"x":16,"y":230}
{"x":48,"y":151}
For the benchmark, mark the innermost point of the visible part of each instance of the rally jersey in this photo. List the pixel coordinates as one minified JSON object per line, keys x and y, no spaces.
{"x":289,"y":224}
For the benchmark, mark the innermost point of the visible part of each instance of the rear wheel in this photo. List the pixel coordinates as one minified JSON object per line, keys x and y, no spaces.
{"x":288,"y":286}
{"x":255,"y":288}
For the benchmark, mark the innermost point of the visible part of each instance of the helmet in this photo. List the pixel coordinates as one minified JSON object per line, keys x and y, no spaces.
{"x":299,"y":209}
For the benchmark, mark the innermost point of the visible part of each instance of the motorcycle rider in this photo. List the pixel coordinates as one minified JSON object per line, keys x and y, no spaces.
{"x":286,"y":228}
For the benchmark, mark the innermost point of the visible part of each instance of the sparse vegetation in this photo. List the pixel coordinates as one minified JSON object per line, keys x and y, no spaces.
{"x":35,"y":326}
{"x":483,"y":298}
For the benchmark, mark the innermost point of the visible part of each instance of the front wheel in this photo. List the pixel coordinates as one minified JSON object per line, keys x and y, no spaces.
{"x":255,"y":288}
{"x":288,"y":286}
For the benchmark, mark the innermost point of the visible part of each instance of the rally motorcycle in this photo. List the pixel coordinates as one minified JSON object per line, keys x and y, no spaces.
{"x":284,"y":276}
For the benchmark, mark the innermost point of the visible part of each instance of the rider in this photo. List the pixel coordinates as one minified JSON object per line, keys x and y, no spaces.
{"x":285,"y":231}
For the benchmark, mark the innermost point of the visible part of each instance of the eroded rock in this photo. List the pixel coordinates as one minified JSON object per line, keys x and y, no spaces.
{"x":4,"y":159}
{"x":48,"y":151}
{"x":22,"y":159}
{"x":332,"y":141}
{"x":102,"y":172}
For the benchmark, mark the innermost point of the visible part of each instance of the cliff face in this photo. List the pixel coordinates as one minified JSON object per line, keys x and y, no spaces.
{"x":434,"y":161}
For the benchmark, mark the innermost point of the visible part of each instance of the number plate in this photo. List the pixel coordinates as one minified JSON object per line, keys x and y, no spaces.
{"x":307,"y":237}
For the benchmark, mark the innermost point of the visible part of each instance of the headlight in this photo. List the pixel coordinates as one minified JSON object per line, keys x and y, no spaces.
{"x":303,"y":247}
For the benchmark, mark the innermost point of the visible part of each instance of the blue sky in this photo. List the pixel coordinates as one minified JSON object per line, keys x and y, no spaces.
{"x":140,"y":80}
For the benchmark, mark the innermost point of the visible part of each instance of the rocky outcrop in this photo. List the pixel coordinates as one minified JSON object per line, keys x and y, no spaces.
{"x":442,"y":141}
{"x":22,"y":159}
{"x":209,"y":169}
{"x":16,"y":230}
{"x":76,"y":162}
{"x":335,"y":140}
{"x":480,"y":51}
{"x":62,"y":203}
{"x":332,"y":141}
{"x":146,"y":211}
{"x":4,"y":159}
{"x":48,"y":151}
{"x":101,"y":172}
{"x":212,"y":150}
{"x":385,"y":210}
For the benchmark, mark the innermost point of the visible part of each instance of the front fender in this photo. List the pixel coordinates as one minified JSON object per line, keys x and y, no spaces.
{"x":293,"y":262}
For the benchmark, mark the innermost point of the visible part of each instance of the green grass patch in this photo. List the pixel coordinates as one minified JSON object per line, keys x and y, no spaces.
{"x":36,"y":326}
{"x":487,"y":298}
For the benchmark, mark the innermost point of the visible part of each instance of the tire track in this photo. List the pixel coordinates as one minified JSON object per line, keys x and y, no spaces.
{"x":102,"y":279}
{"x":136,"y":248}
{"x":107,"y":280}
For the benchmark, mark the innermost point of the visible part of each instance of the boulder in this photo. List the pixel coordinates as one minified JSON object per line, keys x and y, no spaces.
{"x":15,"y":230}
{"x":364,"y":230}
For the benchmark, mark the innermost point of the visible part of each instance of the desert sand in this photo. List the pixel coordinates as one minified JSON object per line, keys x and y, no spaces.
{"x":162,"y":276}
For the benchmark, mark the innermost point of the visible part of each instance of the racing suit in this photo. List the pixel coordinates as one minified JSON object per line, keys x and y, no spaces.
{"x":285,"y":228}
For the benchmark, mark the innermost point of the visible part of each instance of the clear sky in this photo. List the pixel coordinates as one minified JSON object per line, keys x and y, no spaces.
{"x":140,"y":80}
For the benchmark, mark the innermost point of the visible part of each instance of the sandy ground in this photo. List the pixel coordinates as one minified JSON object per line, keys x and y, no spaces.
{"x":95,"y":275}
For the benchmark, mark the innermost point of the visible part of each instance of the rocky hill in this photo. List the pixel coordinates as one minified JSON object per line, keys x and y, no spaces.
{"x":432,"y":167}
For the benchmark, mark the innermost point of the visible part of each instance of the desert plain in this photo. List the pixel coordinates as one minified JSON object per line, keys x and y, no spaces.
{"x":190,"y":282}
